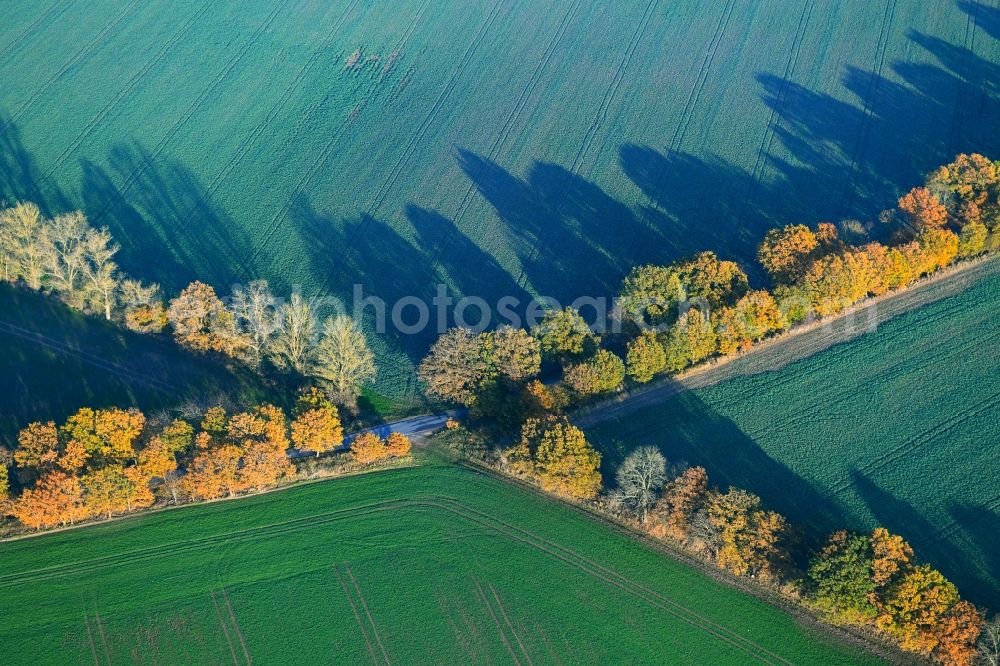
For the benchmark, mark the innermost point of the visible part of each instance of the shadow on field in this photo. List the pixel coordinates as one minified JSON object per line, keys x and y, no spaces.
{"x":20,"y":177}
{"x":937,"y":545}
{"x":696,"y":435}
{"x":571,"y":237}
{"x":987,"y":18}
{"x":158,"y":207}
{"x":689,"y":432}
{"x":55,"y":361}
{"x":844,"y":158}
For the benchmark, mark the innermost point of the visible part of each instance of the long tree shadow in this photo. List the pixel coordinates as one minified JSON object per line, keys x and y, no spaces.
{"x":20,"y":177}
{"x":975,"y":573}
{"x":987,"y":18}
{"x":165,"y":213}
{"x":55,"y":361}
{"x":696,"y":435}
{"x":570,"y":236}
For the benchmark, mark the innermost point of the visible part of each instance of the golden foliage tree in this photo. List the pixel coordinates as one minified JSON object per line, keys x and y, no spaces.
{"x":558,"y":455}
{"x":682,"y":497}
{"x":368,"y":448}
{"x":57,"y":499}
{"x":202,"y":323}
{"x":398,"y":445}
{"x":787,"y":252}
{"x":750,"y":537}
{"x":923,"y":209}
{"x":914,"y":606}
{"x":645,"y":357}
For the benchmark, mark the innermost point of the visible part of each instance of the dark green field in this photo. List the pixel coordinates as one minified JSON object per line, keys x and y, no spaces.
{"x":415,"y":566}
{"x":896,"y":428}
{"x":502,"y":147}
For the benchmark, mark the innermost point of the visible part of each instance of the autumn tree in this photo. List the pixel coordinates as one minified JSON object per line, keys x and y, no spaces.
{"x":956,"y":635}
{"x":202,"y":323}
{"x":650,"y":295}
{"x":692,"y":339}
{"x":755,"y":316}
{"x":213,"y":472}
{"x":262,"y":437}
{"x":316,"y":426}
{"x":56,"y":499}
{"x":601,"y":373}
{"x":558,"y":455}
{"x":939,"y":246}
{"x":972,"y":239}
{"x":4,"y":488}
{"x":343,"y":362}
{"x":368,"y":448}
{"x":706,"y":278}
{"x":681,"y":499}
{"x":515,"y":353}
{"x":564,"y":335}
{"x":144,"y":310}
{"x":107,"y":491}
{"x":750,"y":537}
{"x":37,"y":447}
{"x":914,"y":605}
{"x":106,"y":434}
{"x":640,"y":477}
{"x":923,"y":209}
{"x":457,"y":367}
{"x":969,"y":183}
{"x":645,"y":357}
{"x":398,"y":445}
{"x":891,"y":556}
{"x":786,"y":253}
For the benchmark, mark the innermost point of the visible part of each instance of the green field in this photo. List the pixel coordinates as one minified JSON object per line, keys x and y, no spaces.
{"x":896,"y":428}
{"x":503,"y":147}
{"x":417,"y":566}
{"x":55,"y":361}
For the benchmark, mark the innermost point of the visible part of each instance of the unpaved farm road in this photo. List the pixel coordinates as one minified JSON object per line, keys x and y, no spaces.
{"x":794,"y":345}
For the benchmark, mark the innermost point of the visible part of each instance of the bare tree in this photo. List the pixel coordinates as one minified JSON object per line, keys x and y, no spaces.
{"x":640,"y":477}
{"x":256,"y":318}
{"x":66,"y":255}
{"x":100,"y":272}
{"x":344,"y":361}
{"x":295,"y":340}
{"x":24,"y":238}
{"x":989,"y":644}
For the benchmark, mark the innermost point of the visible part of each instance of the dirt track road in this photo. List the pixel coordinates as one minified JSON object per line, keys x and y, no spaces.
{"x":798,"y":344}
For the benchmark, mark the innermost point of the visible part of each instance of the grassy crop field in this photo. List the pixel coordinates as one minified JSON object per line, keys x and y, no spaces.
{"x":501,"y":147}
{"x":898,"y":428}
{"x":417,"y":566}
{"x":55,"y":361}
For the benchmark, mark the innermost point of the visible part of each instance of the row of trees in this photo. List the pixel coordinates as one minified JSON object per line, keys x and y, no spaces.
{"x":678,"y":315}
{"x":68,"y":258}
{"x":867,"y":580}
{"x":256,"y":328}
{"x":110,"y":461}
